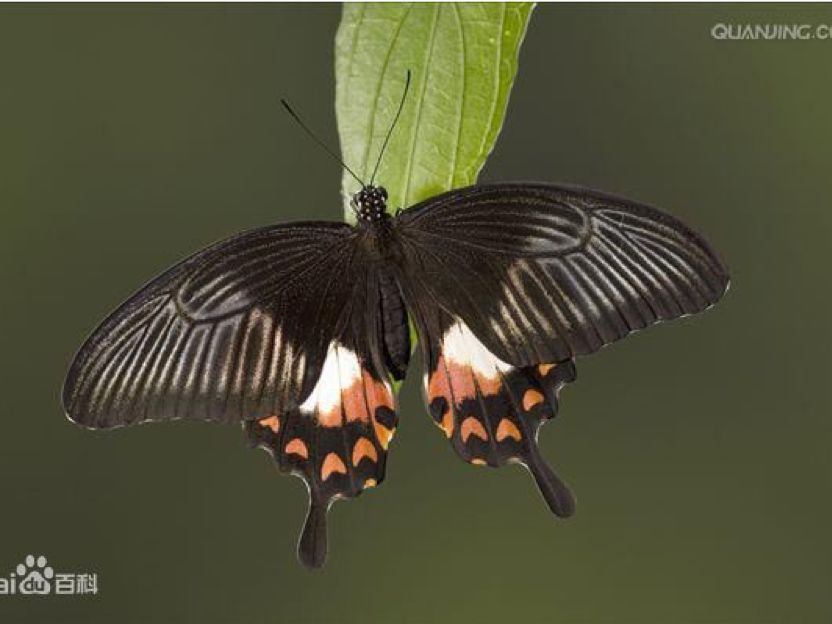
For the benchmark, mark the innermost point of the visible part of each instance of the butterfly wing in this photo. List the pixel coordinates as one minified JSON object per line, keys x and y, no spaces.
{"x":490,"y":410}
{"x":543,"y":273}
{"x":336,"y":440}
{"x":278,"y":328}
{"x":508,"y":283}
{"x":234,"y":331}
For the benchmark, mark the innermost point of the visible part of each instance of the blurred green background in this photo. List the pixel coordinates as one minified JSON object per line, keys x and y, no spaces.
{"x":699,"y":451}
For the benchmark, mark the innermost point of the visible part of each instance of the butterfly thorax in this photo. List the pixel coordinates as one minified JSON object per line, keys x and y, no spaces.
{"x":375,"y":225}
{"x":370,"y":204}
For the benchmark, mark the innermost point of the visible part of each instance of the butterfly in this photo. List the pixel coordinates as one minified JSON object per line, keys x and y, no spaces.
{"x":299,"y":330}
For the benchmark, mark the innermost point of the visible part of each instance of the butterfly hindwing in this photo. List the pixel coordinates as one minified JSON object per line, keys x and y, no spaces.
{"x":336,"y":440}
{"x":490,"y":410}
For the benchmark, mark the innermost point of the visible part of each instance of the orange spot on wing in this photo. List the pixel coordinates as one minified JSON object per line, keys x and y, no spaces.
{"x":455,"y":380}
{"x":479,"y":462}
{"x":438,"y":385}
{"x":272,"y":422}
{"x":507,"y":429}
{"x":330,"y":418}
{"x":544,"y":369}
{"x":383,"y":434}
{"x":489,"y":385}
{"x":363,"y":448}
{"x":532,"y":398}
{"x":297,"y":446}
{"x":462,"y":382}
{"x":355,"y":402}
{"x":438,"y":381}
{"x":471,"y":426}
{"x":448,"y":423}
{"x":370,"y":483}
{"x":378,"y":393}
{"x":332,"y":463}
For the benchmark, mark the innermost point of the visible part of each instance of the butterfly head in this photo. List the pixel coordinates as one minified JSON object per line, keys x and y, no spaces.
{"x":370,"y":204}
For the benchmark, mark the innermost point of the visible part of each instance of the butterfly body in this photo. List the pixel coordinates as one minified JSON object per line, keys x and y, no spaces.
{"x":395,"y":326}
{"x":298,"y":330}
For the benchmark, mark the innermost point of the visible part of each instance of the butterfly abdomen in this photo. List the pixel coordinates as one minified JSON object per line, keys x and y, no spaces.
{"x":396,"y":332}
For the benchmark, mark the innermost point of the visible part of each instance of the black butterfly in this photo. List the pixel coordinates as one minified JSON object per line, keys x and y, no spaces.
{"x":296,"y":330}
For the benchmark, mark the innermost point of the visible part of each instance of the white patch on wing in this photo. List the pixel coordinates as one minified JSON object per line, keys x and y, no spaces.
{"x":340,"y":370}
{"x":462,"y":347}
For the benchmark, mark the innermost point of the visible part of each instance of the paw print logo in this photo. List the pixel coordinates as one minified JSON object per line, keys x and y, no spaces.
{"x":34,"y":576}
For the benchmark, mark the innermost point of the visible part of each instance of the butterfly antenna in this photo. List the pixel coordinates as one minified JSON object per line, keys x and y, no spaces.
{"x":306,"y":129}
{"x":392,"y":126}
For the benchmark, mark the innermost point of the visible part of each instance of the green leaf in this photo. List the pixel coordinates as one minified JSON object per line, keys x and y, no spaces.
{"x":463,"y":59}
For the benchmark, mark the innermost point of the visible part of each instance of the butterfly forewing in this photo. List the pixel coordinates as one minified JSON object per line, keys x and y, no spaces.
{"x":236,"y":331}
{"x":542,"y":273}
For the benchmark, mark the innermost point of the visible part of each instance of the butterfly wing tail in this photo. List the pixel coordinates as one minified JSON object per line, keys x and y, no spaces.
{"x":555,"y":492}
{"x":312,"y":545}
